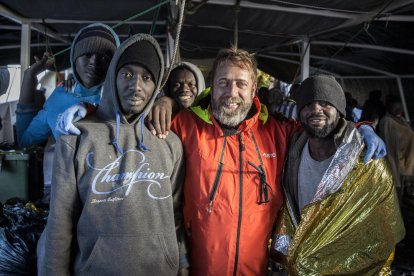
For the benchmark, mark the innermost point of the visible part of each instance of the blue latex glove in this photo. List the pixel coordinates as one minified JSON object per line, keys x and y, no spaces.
{"x":71,"y":115}
{"x":375,"y":145}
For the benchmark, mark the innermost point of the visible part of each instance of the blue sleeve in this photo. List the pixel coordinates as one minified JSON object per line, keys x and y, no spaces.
{"x":32,"y":129}
{"x":24,"y":115}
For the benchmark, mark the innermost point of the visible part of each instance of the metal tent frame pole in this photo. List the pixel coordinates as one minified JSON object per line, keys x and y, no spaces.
{"x":25,"y":48}
{"x":404,"y":103}
{"x":305,"y":59}
{"x":169,"y":48}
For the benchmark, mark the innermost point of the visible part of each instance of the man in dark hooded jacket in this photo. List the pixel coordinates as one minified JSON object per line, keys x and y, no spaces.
{"x":116,"y":189}
{"x":340,"y":216}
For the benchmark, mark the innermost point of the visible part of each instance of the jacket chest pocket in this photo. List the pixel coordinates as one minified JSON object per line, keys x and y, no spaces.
{"x":210,"y":180}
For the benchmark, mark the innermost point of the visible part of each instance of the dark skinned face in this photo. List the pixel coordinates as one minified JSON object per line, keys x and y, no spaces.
{"x":135,"y":87}
{"x":92,"y":68}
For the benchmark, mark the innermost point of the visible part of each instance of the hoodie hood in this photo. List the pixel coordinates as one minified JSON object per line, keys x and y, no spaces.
{"x":110,"y":105}
{"x":97,"y":26}
{"x":201,"y":85}
{"x":110,"y":110}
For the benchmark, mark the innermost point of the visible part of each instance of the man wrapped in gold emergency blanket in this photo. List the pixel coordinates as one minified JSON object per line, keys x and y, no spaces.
{"x":352,"y":224}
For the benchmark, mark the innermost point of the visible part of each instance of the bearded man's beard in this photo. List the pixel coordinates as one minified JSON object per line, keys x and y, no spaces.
{"x":227,"y":116}
{"x":325,"y":132}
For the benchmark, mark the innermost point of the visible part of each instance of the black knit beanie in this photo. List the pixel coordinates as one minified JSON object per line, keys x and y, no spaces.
{"x":145,"y":54}
{"x":95,"y":39}
{"x":321,"y":88}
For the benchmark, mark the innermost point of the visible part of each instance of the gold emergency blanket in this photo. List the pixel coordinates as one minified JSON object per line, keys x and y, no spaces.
{"x":352,"y":231}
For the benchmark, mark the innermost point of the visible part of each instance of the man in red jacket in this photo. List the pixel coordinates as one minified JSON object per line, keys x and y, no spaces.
{"x":232,"y":191}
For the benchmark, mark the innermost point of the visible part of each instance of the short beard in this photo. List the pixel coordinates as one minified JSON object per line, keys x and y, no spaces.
{"x":230,"y":118}
{"x":326,"y":132}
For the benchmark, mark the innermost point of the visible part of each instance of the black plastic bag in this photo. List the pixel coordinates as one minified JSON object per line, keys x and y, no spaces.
{"x":20,"y":230}
{"x":14,"y":254}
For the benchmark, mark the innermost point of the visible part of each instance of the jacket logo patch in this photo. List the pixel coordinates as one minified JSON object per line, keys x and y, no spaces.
{"x":110,"y":179}
{"x":269,"y":155}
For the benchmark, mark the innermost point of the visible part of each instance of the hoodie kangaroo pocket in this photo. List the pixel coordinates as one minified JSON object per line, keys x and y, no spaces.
{"x":132,"y":255}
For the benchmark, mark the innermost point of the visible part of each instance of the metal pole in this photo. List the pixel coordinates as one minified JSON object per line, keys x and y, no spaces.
{"x":305,"y":59}
{"x":401,"y":90}
{"x":25,"y":48}
{"x":236,"y":23}
{"x":342,"y":84}
{"x":169,"y":49}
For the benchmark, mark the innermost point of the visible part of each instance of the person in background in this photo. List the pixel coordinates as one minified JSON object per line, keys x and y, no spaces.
{"x":263,"y":95}
{"x":116,"y":206}
{"x":91,"y":52}
{"x":340,"y":216}
{"x":399,"y":139}
{"x":371,"y":114}
{"x":185,"y":83}
{"x":351,"y":104}
{"x":288,"y":106}
{"x":275,"y":98}
{"x":374,"y":100}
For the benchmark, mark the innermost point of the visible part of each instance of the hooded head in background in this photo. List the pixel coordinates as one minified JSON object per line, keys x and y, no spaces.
{"x":185,"y":83}
{"x":90,"y":54}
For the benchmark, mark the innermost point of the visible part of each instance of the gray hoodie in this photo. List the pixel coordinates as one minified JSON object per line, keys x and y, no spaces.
{"x":116,"y":206}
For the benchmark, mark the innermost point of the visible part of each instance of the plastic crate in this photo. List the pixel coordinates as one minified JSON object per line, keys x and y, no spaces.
{"x":14,"y":176}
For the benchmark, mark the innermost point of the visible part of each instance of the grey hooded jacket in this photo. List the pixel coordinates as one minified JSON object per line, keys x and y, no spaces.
{"x":116,"y":206}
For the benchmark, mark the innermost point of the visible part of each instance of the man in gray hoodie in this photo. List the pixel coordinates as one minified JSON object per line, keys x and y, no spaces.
{"x":116,"y":206}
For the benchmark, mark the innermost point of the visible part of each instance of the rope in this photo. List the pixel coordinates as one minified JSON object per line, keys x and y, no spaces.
{"x":124,"y":21}
{"x":177,"y":39}
{"x":180,"y":23}
{"x":365,"y":27}
{"x":140,"y":14}
{"x":154,"y":20}
{"x":49,"y":50}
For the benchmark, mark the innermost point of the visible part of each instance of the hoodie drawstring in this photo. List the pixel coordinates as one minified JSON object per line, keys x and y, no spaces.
{"x":115,"y":141}
{"x":142,"y":146}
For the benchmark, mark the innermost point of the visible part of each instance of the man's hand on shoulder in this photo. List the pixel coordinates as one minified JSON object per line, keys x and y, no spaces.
{"x":159,"y":118}
{"x":375,"y":145}
{"x":280,"y":117}
{"x":71,"y":115}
